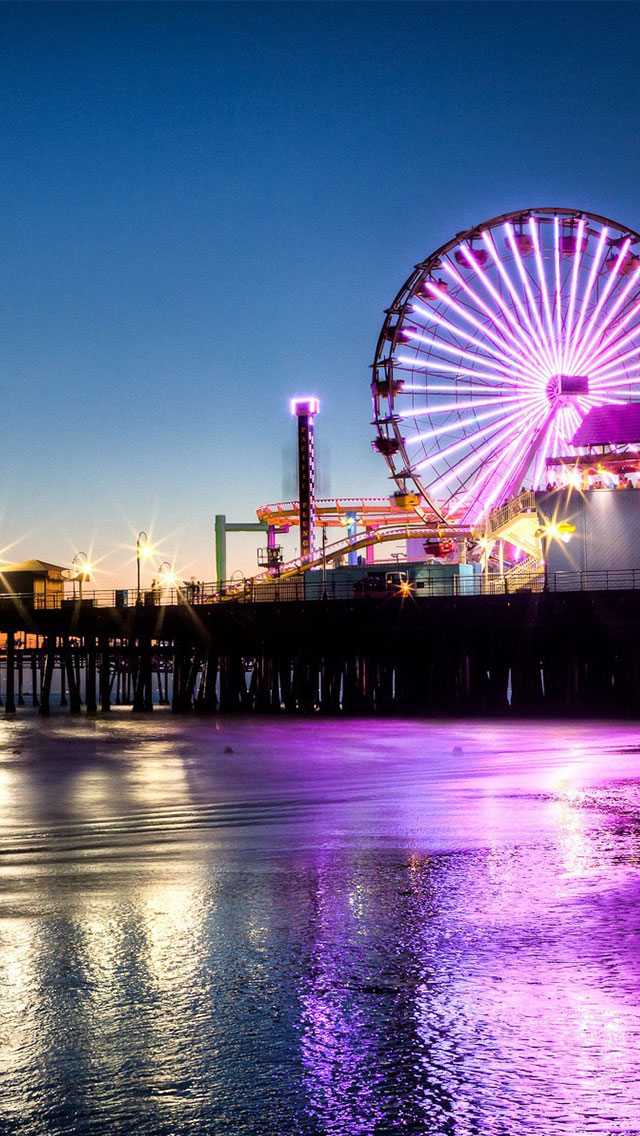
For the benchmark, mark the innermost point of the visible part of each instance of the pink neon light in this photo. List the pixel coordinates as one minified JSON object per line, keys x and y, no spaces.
{"x":308,"y":406}
{"x":449,"y":349}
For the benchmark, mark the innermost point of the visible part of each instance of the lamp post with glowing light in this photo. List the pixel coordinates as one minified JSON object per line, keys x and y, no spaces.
{"x":166,"y":576}
{"x":81,"y":564}
{"x":143,"y":548}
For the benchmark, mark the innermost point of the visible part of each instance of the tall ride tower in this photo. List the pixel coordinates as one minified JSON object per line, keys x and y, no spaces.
{"x":305,"y":410}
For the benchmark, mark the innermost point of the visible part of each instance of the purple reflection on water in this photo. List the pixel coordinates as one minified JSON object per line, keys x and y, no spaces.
{"x":336,"y":927}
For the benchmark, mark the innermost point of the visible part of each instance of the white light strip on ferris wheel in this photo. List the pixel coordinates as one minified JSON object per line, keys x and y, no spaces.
{"x":595,"y":267}
{"x":451,"y":387}
{"x":513,"y":292}
{"x":517,"y":328}
{"x":471,"y":494}
{"x":446,"y":368}
{"x":618,"y":363}
{"x":449,"y":348}
{"x":558,"y":280}
{"x":612,"y":344}
{"x":514,"y":350}
{"x":568,"y":327}
{"x":429,"y":461}
{"x":495,"y":319}
{"x":500,"y":435}
{"x":510,"y":361}
{"x":449,"y":407}
{"x":518,"y":443}
{"x":611,"y":315}
{"x":453,"y":426}
{"x":533,"y":228}
{"x":547,"y":350}
{"x":592,"y":331}
{"x":614,"y":370}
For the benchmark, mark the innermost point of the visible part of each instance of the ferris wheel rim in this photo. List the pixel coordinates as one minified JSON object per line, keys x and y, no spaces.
{"x":390,"y":425}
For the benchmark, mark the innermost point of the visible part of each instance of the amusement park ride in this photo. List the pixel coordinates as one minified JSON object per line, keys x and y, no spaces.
{"x":507,"y":368}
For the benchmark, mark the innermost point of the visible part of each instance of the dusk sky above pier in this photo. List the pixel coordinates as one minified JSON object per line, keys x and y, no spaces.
{"x":205,"y":209}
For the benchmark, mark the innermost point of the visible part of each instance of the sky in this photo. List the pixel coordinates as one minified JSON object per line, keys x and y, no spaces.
{"x":205,"y":210}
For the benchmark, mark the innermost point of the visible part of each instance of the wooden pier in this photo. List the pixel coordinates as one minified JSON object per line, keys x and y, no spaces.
{"x":572,"y":653}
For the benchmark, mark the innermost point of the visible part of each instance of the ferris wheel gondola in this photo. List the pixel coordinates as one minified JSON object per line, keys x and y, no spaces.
{"x":495,"y":349}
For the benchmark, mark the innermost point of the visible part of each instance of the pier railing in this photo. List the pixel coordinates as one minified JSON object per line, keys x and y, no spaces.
{"x":336,"y":588}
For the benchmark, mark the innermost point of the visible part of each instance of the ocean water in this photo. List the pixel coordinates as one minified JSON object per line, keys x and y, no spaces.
{"x":265,"y":927}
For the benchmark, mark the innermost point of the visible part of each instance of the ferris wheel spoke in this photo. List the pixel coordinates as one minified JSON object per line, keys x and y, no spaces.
{"x":612,"y":344}
{"x":518,"y":334}
{"x":522,"y":308}
{"x":545,"y":346}
{"x":504,"y":352}
{"x":451,"y":407}
{"x":443,"y":369}
{"x":452,"y":386}
{"x":596,"y":265}
{"x":533,"y":228}
{"x":592,"y":331}
{"x":488,"y":356}
{"x":573,"y":288}
{"x":452,"y":427}
{"x":508,"y":364}
{"x":501,"y":457}
{"x":614,"y":369}
{"x":449,"y":348}
{"x":465,"y":443}
{"x":511,"y":341}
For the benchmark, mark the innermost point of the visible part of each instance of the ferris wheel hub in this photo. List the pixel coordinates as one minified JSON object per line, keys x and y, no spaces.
{"x":567,"y":387}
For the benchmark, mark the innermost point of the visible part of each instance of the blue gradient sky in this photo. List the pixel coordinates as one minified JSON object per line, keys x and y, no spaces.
{"x":205,"y":208}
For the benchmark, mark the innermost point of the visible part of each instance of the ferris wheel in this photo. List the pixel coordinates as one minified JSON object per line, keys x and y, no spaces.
{"x":496,"y":347}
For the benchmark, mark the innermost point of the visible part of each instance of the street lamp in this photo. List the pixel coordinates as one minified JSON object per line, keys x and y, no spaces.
{"x":81,"y":564}
{"x":143,"y":548}
{"x":166,"y":575}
